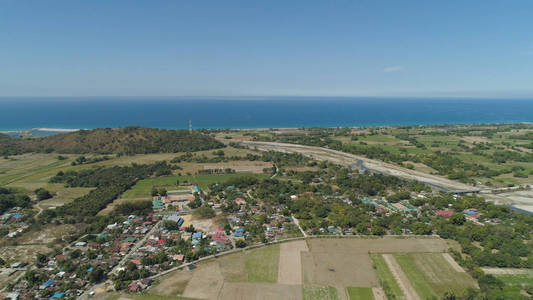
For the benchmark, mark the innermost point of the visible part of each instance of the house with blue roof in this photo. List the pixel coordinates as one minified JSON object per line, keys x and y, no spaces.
{"x":18,"y":216}
{"x":197,"y":235}
{"x":58,"y":296}
{"x":46,"y":284}
{"x":239,"y":232}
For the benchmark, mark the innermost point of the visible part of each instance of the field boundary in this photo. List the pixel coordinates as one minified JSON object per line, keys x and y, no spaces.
{"x":206,"y":258}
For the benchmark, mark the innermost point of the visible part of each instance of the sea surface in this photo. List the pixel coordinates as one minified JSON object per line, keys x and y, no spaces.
{"x":259,"y":112}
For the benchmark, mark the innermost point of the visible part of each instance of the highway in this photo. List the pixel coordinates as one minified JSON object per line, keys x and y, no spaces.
{"x":362,"y":163}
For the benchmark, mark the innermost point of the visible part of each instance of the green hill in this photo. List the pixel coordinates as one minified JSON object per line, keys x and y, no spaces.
{"x":127,"y":141}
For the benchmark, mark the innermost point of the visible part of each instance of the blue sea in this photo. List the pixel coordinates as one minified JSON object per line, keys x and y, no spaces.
{"x":259,"y":112}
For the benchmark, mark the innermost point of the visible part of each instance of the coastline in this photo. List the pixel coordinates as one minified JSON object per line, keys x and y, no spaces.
{"x":67,"y":130}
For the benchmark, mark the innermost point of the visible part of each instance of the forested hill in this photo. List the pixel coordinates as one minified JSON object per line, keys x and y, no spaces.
{"x":127,"y":141}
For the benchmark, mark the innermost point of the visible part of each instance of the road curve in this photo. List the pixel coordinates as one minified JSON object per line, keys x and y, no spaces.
{"x":373,"y":165}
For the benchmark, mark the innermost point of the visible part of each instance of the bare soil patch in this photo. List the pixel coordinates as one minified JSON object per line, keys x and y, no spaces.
{"x":206,"y":225}
{"x":205,"y":283}
{"x":339,"y":269}
{"x":47,"y":234}
{"x":290,"y":262}
{"x":25,"y":253}
{"x":260,"y":291}
{"x":173,"y":284}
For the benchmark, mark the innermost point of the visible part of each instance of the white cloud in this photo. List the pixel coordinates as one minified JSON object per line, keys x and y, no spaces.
{"x":393,"y":69}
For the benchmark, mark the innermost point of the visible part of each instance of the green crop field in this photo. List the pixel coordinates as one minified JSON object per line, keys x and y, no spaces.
{"x":319,"y":293}
{"x":262,"y":264}
{"x":431,"y":275}
{"x":360,"y":293}
{"x":144,"y":187}
{"x":516,"y":279}
{"x":385,"y":277}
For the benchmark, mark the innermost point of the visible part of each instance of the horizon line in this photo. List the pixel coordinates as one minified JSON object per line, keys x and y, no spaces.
{"x":502,"y":97}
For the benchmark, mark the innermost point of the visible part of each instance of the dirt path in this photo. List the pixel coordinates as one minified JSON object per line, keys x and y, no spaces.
{"x":452,"y":262}
{"x":342,"y":293}
{"x":299,"y":227}
{"x":290,"y":262}
{"x":506,"y":271}
{"x":38,"y":206}
{"x":401,"y":278}
{"x":379,"y":293}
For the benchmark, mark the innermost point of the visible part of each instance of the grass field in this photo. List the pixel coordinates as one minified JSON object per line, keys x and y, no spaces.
{"x":516,"y":279}
{"x":144,"y":187}
{"x":20,"y":167}
{"x":385,"y":277}
{"x":360,"y":293}
{"x":319,"y":293}
{"x":62,"y":195}
{"x":431,"y":275}
{"x":262,"y":264}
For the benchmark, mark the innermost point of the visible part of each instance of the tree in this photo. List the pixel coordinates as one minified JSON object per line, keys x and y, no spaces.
{"x":458,"y":219}
{"x":240,"y":244}
{"x":204,"y":212}
{"x":42,"y":194}
{"x":197,"y":202}
{"x":96,"y":275}
{"x":41,"y":258}
{"x":377,"y":230}
{"x":361,"y":228}
{"x":421,"y":228}
{"x":170,"y":225}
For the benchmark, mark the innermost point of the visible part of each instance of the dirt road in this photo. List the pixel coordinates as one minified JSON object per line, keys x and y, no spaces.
{"x":351,"y":160}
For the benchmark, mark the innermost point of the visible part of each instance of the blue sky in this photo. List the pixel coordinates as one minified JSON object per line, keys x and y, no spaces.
{"x":240,"y":48}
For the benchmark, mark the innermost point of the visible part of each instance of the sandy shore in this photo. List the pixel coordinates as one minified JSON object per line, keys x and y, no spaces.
{"x":56,"y":129}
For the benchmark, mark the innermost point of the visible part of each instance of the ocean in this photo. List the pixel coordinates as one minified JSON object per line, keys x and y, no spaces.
{"x":258,"y":112}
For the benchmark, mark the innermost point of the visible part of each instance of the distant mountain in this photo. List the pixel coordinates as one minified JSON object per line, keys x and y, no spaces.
{"x":127,"y":141}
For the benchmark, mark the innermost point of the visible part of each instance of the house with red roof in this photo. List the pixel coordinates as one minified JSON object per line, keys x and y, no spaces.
{"x":444,"y":213}
{"x":240,"y":201}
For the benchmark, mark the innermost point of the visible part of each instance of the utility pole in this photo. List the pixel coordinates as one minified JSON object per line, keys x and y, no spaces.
{"x":190,"y":126}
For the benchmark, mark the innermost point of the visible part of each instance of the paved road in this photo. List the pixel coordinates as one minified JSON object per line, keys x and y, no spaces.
{"x":354,"y":161}
{"x":135,"y":247}
{"x":122,"y":261}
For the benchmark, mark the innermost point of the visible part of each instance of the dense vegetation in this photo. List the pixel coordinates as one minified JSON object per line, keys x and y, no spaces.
{"x":109,"y":183}
{"x":10,"y":198}
{"x":126,"y":141}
